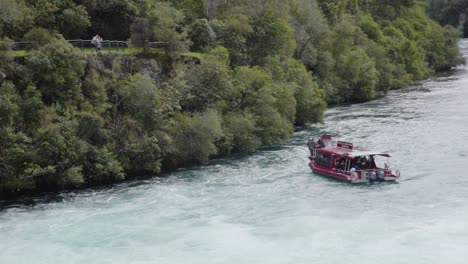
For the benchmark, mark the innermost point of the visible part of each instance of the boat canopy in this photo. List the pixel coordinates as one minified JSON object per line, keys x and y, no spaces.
{"x":367,"y":153}
{"x":352,"y":153}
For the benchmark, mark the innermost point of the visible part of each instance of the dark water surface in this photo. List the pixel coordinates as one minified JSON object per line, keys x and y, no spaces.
{"x":270,"y":208}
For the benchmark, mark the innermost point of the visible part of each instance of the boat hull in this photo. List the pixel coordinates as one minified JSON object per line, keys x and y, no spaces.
{"x":328,"y":173}
{"x":356,"y":177}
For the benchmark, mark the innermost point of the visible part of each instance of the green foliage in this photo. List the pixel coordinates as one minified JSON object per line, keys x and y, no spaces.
{"x":269,"y":103}
{"x":6,"y":44}
{"x":56,"y":160}
{"x":15,"y":18}
{"x":310,"y":103}
{"x":101,"y":166}
{"x":442,"y":53}
{"x":9,"y":101}
{"x":140,"y":32}
{"x":232,"y":32}
{"x":201,"y":34}
{"x":14,"y":152}
{"x":166,"y":22}
{"x":57,"y":69}
{"x":111,"y":19}
{"x":208,"y":86}
{"x":241,"y":129}
{"x":193,"y":9}
{"x":142,"y":156}
{"x":195,"y":136}
{"x":355,"y":74}
{"x":359,"y":76}
{"x":371,"y":28}
{"x":221,"y":54}
{"x":74,"y":20}
{"x":90,"y":127}
{"x":39,"y":37}
{"x":139,"y":98}
{"x":31,"y":109}
{"x":64,"y":16}
{"x":447,"y":12}
{"x":310,"y":27}
{"x":94,"y":92}
{"x":271,"y":36}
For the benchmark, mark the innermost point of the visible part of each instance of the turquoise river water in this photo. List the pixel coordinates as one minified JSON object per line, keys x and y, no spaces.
{"x":270,"y":208}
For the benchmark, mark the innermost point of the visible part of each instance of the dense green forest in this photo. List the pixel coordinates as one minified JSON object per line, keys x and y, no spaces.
{"x":450,"y":12}
{"x":232,"y":75}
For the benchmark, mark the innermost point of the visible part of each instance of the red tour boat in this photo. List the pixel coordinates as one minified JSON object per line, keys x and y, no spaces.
{"x":345,"y":163}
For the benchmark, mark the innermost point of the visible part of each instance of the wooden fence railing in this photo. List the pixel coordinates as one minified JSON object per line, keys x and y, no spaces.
{"x":87,"y":43}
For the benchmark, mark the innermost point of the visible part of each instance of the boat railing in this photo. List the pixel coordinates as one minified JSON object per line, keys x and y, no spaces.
{"x":364,"y":173}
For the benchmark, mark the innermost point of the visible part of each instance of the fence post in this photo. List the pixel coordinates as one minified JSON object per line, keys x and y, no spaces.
{"x":146,"y":48}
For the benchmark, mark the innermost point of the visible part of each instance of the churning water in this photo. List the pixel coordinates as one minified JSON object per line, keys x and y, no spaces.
{"x":270,"y":208}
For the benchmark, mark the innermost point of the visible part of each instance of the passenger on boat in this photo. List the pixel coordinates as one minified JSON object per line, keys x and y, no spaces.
{"x":311,"y":145}
{"x":372,"y":163}
{"x":358,"y":164}
{"x":352,"y":171}
{"x":320,"y":142}
{"x":363,"y":164}
{"x":340,"y":164}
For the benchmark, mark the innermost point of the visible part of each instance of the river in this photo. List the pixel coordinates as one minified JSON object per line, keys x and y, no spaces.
{"x":270,"y":208}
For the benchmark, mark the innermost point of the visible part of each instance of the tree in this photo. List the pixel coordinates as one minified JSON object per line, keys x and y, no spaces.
{"x":140,"y":32}
{"x":73,"y":21}
{"x":209,"y":86}
{"x":57,"y":69}
{"x":15,"y":148}
{"x":15,"y":18}
{"x":241,"y":129}
{"x":195,"y":136}
{"x":166,"y":22}
{"x":309,"y":27}
{"x":271,"y":36}
{"x":39,"y":37}
{"x":139,"y":97}
{"x":359,"y":76}
{"x":447,"y":12}
{"x":272,"y":105}
{"x":65,"y":16}
{"x":111,"y":19}
{"x":310,"y":103}
{"x":232,"y":32}
{"x":356,"y":75}
{"x":201,"y":34}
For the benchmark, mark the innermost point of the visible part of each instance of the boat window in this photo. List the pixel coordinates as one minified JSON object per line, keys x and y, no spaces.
{"x":323,"y":159}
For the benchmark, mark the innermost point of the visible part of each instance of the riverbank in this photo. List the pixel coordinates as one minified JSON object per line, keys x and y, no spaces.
{"x":30,"y":197}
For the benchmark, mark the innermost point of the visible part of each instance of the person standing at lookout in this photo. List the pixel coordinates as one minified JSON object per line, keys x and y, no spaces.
{"x":94,"y":40}
{"x":97,"y":41}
